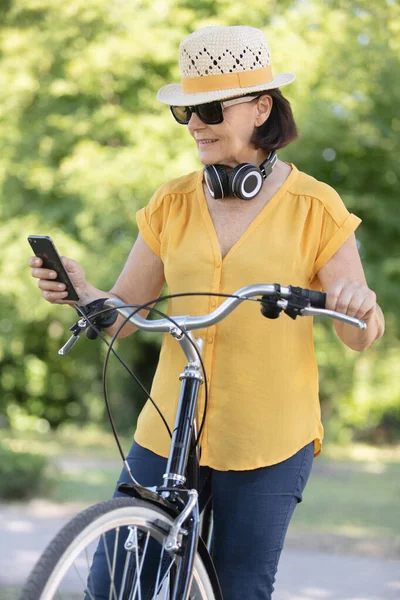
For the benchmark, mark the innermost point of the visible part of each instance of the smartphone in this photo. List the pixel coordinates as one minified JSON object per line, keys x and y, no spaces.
{"x":44,"y":248}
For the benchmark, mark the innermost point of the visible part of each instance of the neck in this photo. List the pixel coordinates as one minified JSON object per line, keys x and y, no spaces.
{"x":252,"y":156}
{"x":266,"y":164}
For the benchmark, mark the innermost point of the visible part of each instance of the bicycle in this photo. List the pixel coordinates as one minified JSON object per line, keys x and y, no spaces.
{"x":161,"y":524}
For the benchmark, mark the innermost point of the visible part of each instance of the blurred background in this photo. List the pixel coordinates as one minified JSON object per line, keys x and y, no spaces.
{"x":84,"y":144}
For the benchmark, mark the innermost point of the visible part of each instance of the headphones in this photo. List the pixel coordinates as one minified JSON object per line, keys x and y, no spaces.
{"x":244,"y":181}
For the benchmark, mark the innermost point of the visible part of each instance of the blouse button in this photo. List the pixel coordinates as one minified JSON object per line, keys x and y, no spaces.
{"x":218,"y":264}
{"x":213,"y":303}
{"x":210,"y":339}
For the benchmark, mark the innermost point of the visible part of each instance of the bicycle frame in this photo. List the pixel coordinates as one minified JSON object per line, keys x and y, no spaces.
{"x":183,"y":447}
{"x":173,"y":496}
{"x":182,"y":468}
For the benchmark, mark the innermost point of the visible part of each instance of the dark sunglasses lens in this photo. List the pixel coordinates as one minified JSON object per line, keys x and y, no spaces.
{"x":181,"y":114}
{"x":210,"y":113}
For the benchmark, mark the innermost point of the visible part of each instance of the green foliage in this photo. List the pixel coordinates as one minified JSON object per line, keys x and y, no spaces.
{"x":349,"y":115}
{"x":85,"y":143}
{"x":22,"y":475}
{"x":360,"y":393}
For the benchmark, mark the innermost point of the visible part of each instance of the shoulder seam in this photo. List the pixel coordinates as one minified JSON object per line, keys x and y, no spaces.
{"x":315,"y":198}
{"x":175,"y":194}
{"x":169,"y":194}
{"x":182,"y":192}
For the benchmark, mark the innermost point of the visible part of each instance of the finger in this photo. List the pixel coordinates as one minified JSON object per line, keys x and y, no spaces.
{"x":346,"y":298}
{"x":35,"y":261}
{"x":355,"y":303}
{"x":68,"y":263}
{"x":367,"y":306}
{"x":54,"y":296}
{"x":333,"y":295}
{"x":52,"y":286}
{"x":44,"y":274}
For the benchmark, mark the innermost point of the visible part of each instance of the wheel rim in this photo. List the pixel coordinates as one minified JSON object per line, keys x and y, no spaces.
{"x":71,"y":578}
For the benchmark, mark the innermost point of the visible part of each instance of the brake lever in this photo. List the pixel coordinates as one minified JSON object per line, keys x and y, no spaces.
{"x":76,"y":329}
{"x":310,"y":311}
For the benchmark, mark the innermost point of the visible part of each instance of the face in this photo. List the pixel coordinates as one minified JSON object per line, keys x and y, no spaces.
{"x":228,"y":143}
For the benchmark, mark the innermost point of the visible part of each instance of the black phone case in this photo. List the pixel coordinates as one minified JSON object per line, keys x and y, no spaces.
{"x":44,"y":248}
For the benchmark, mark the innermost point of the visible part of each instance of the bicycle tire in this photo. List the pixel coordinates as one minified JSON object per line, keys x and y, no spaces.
{"x":53,"y":565}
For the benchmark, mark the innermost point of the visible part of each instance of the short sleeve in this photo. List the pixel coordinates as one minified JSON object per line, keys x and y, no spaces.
{"x":151,"y":220}
{"x":337,"y":224}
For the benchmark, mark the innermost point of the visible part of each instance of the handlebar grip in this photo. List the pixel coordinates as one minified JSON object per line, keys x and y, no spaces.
{"x":317,"y":299}
{"x":94,"y":315}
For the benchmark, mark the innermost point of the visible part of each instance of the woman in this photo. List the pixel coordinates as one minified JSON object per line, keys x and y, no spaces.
{"x":219,"y":229}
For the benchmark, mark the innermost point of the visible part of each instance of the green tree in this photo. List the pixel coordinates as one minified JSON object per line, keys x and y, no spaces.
{"x":84,"y":143}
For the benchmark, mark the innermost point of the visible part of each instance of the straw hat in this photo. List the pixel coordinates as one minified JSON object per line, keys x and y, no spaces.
{"x":217,"y":63}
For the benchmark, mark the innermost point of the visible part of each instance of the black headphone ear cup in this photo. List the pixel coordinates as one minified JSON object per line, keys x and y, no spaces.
{"x":246,"y":181}
{"x":217,"y":181}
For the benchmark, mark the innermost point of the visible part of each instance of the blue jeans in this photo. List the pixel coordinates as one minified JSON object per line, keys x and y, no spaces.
{"x":252,"y":511}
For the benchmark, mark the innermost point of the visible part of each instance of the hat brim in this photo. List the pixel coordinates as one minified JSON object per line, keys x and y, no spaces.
{"x":173,"y":95}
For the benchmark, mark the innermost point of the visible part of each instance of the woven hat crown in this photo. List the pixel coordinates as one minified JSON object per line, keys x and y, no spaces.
{"x":218,"y":63}
{"x":220,"y":50}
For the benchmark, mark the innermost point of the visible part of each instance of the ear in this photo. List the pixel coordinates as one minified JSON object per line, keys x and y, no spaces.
{"x":263,"y":109}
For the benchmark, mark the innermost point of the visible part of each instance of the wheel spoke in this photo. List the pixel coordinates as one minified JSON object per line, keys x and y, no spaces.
{"x":115,"y":557}
{"x":90,"y":578}
{"x":112,"y":592}
{"x":139,"y":565}
{"x":158,"y":573}
{"x":85,"y":588}
{"x":127,"y":567}
{"x":164,"y":578}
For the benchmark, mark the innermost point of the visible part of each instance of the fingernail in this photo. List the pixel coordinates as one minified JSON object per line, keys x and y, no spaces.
{"x":60,"y":286}
{"x":52,"y":274}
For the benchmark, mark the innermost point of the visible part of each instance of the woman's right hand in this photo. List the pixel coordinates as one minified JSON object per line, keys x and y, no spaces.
{"x":54,"y":291}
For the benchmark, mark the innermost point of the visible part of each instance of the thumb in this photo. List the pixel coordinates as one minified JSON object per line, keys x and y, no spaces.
{"x":70,"y":265}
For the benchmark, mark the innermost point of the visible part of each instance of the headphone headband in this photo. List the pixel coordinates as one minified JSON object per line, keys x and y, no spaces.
{"x":268,"y":164}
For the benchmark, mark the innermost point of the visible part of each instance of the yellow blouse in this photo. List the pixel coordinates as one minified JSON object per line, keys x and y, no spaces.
{"x":262,"y":374}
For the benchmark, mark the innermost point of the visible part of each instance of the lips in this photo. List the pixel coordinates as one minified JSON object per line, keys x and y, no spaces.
{"x":206,"y":142}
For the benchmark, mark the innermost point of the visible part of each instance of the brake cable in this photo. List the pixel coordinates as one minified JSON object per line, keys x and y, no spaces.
{"x":97,"y":331}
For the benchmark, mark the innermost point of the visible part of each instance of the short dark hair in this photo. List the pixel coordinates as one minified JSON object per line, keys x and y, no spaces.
{"x":280,"y":127}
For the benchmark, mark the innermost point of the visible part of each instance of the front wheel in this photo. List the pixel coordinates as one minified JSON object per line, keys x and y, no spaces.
{"x":91,"y":558}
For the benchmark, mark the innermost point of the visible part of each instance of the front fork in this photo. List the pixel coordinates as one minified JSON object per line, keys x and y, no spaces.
{"x":183,"y":462}
{"x":135,"y":546}
{"x":183,"y":445}
{"x":184,"y":541}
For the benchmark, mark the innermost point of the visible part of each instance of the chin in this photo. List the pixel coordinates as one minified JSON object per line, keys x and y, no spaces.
{"x":203,"y":160}
{"x":209,"y":158}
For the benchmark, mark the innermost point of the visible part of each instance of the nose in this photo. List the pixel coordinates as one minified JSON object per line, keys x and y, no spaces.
{"x":195,"y":123}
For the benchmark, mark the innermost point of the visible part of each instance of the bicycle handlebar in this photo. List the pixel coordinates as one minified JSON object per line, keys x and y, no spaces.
{"x":189,"y":323}
{"x":295,"y":301}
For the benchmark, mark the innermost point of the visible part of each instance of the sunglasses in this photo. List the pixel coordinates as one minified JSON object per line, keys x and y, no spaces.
{"x":210,"y":113}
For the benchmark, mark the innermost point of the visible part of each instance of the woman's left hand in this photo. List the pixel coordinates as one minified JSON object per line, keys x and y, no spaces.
{"x":351,"y":298}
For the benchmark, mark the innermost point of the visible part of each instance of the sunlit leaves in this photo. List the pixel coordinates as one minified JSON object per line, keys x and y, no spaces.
{"x":84,"y":143}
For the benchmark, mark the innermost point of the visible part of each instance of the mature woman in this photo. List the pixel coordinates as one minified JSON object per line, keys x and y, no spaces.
{"x":245,"y":218}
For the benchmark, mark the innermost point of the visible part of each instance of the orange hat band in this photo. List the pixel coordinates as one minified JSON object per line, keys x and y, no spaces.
{"x":226,"y":81}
